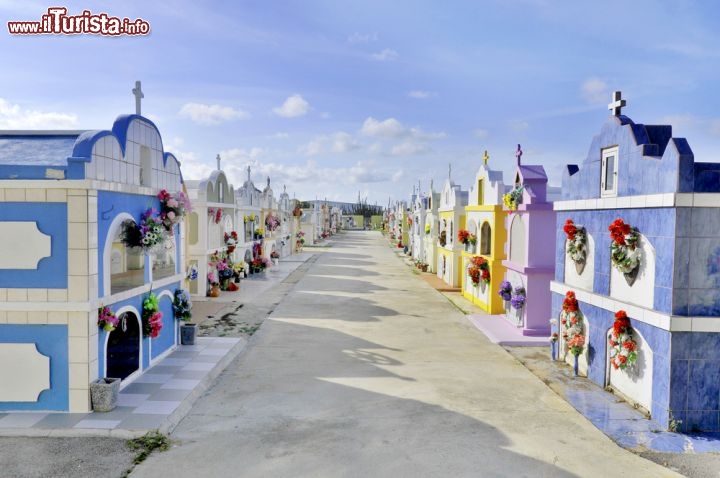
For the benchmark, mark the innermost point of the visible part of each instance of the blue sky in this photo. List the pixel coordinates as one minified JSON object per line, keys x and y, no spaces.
{"x":332,"y":98}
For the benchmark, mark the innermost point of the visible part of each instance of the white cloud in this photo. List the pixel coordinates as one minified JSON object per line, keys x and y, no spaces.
{"x":408,"y":148}
{"x":397,"y":175}
{"x":15,"y":117}
{"x":279,"y":135}
{"x":240,"y":154}
{"x":343,"y":142}
{"x":389,"y":128}
{"x":420,"y":94}
{"x":211,"y":114}
{"x":595,"y":91}
{"x":340,"y":142}
{"x":294,"y":106}
{"x":481,"y":133}
{"x":386,"y":55}
{"x":362,"y":38}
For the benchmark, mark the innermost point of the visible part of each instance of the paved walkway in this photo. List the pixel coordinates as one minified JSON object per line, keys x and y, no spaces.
{"x":363,"y":370}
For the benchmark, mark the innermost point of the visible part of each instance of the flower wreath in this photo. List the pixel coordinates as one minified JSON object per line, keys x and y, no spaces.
{"x":577,"y":240}
{"x":572,"y":321}
{"x":623,"y":348}
{"x":463,"y":235}
{"x":514,"y":197}
{"x":151,"y":316}
{"x":172,"y":208}
{"x":148,"y":234}
{"x":182,"y":305}
{"x":505,"y":291}
{"x":215,"y":214}
{"x":479,"y":269}
{"x":518,"y":298}
{"x":624,"y":252}
{"x":107,"y":319}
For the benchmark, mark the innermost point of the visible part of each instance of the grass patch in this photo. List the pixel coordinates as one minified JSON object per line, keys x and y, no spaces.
{"x":147,"y":444}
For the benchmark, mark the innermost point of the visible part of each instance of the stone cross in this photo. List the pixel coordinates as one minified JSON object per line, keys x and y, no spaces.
{"x":450,"y":171}
{"x":248,"y":170}
{"x":486,"y":156}
{"x":518,"y":154}
{"x":418,"y":187}
{"x":268,"y":181}
{"x":617,"y":103}
{"x":137,"y":91}
{"x":218,"y":162}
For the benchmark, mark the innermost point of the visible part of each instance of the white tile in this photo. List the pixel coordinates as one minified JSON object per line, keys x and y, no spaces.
{"x":706,"y":200}
{"x":78,"y":349}
{"x":654,"y":200}
{"x":77,"y":209}
{"x":36,"y":195}
{"x":157,"y":407}
{"x":638,"y":201}
{"x":681,"y":324}
{"x":21,"y":420}
{"x":78,"y":265}
{"x":131,"y":399}
{"x":175,"y":361}
{"x":623,"y":202}
{"x":97,"y":423}
{"x":706,"y":324}
{"x":684,"y":200}
{"x":180,"y":384}
{"x":198,"y":366}
{"x":56,"y":195}
{"x":150,"y":377}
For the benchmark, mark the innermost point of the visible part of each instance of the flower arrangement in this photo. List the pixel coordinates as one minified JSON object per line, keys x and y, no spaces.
{"x":300,"y":237}
{"x":239,"y":267}
{"x":192,"y":273}
{"x":427,"y":228}
{"x":518,"y":298}
{"x":272,"y":222}
{"x":274,"y":255}
{"x":182,"y":305}
{"x":212,"y":279}
{"x":478,"y":270}
{"x":259,"y":264}
{"x":573,"y":328}
{"x":249,"y":218}
{"x":463,"y":236}
{"x":409,"y":221}
{"x":577,"y":239}
{"x":623,"y":250}
{"x":472,"y":239}
{"x":151,"y":316}
{"x":107,"y":319}
{"x":623,"y":348}
{"x":505,"y":290}
{"x":259,"y":232}
{"x":514,"y":197}
{"x":215,"y":214}
{"x":148,"y":234}
{"x":297,"y":211}
{"x":231,"y":240}
{"x":443,"y":238}
{"x":172,"y":208}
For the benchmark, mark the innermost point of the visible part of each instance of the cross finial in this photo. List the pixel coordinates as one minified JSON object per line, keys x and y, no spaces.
{"x":137,"y":91}
{"x":268,"y":181}
{"x":248,"y":170}
{"x":617,"y":103}
{"x":486,"y":156}
{"x":450,"y":171}
{"x":218,"y":161}
{"x":518,"y":154}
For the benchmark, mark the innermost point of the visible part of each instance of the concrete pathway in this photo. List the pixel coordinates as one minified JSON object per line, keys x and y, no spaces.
{"x":365,"y":370}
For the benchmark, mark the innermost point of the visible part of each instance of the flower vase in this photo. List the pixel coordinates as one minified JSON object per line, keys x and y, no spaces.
{"x":553,"y":350}
{"x":214,"y":291}
{"x":230,"y":249}
{"x":579,"y":267}
{"x":188,"y":331}
{"x":631,"y":276}
{"x":575,"y":365}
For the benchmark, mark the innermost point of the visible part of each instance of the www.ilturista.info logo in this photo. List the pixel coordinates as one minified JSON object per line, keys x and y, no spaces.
{"x":58,"y":22}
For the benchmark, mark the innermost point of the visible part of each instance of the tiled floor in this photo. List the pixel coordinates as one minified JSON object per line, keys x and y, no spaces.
{"x":155,"y":400}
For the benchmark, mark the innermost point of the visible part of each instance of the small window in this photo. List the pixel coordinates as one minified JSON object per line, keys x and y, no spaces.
{"x":480,"y":193}
{"x":608,"y":180}
{"x":145,"y":166}
{"x":127,"y":265}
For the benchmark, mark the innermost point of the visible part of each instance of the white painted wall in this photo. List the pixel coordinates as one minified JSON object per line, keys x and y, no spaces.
{"x":634,"y":382}
{"x":586,"y":279}
{"x":642,"y":292}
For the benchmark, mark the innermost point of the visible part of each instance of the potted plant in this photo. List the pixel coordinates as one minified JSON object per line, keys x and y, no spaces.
{"x":214,"y":285}
{"x":275,"y":256}
{"x":182,"y":309}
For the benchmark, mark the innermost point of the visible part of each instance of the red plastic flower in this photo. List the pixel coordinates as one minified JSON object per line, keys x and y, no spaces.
{"x":570,"y":229}
{"x":629,"y":345}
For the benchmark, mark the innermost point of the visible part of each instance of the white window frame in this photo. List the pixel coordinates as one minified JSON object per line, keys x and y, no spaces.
{"x":606,"y":153}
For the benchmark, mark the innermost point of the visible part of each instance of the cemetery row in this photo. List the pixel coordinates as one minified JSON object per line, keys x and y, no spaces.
{"x":619,"y":268}
{"x":104,"y":247}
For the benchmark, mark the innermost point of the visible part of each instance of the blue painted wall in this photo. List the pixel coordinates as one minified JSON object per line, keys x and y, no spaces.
{"x":52,"y":219}
{"x":52,"y":341}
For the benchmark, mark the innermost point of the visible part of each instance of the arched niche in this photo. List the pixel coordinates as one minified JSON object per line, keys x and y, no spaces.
{"x":518,"y":240}
{"x":163,"y":258}
{"x":124,"y":267}
{"x":642,"y":292}
{"x":636,"y":382}
{"x":585,"y":279}
{"x":485,"y":238}
{"x":122,"y":347}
